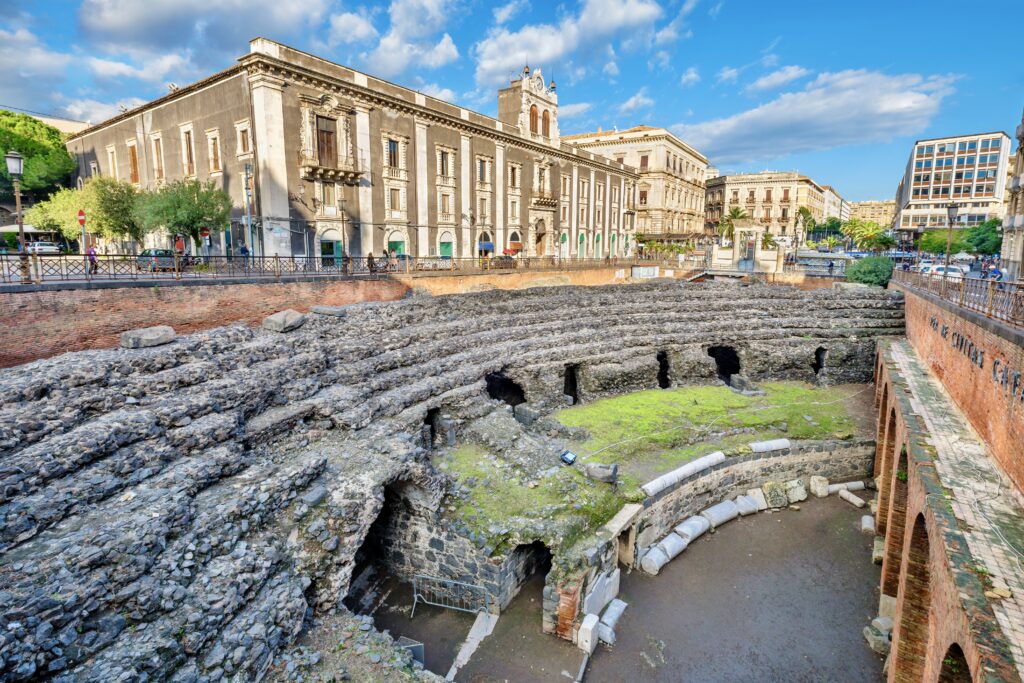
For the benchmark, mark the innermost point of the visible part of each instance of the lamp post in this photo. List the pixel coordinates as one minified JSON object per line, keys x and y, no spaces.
{"x":951,"y":211}
{"x":15,"y":168}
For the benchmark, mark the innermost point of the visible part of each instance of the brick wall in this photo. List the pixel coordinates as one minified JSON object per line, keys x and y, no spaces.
{"x":981,"y":364}
{"x":40,"y":324}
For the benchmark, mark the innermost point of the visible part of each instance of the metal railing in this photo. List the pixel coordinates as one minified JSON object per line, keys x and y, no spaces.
{"x":464,"y":597}
{"x":998,"y":300}
{"x":44,"y":268}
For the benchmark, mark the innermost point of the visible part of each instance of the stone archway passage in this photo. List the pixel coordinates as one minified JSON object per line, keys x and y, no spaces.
{"x":664,"y":380}
{"x":727,"y":362}
{"x":818,"y":364}
{"x":954,"y":666}
{"x":572,"y":383}
{"x":370,"y":560}
{"x":504,"y":389}
{"x":898,"y":492}
{"x":911,"y":634}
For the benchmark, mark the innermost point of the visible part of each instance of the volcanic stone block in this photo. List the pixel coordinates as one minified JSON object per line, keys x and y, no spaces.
{"x":775,"y":494}
{"x":609,"y":474}
{"x":148,"y":336}
{"x":284,"y":321}
{"x":795,"y":491}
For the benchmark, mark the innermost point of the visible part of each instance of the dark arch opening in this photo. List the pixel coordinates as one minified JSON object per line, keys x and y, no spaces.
{"x":528,"y":567}
{"x":430,"y":426}
{"x":370,"y":568}
{"x":571,"y":386}
{"x":727,"y":361}
{"x":819,"y":360}
{"x":504,"y":389}
{"x":664,"y":381}
{"x":912,"y":631}
{"x":954,"y":666}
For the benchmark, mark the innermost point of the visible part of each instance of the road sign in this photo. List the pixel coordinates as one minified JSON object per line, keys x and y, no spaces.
{"x":81,"y":218}
{"x":204,"y":232}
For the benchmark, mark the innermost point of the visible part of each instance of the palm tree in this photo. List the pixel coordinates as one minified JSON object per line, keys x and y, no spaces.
{"x":726,"y":227}
{"x":768,"y":241}
{"x":830,"y":242}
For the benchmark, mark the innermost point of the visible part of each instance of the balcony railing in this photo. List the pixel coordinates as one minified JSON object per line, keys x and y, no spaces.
{"x":396,"y":173}
{"x":998,"y":300}
{"x":344,"y":171}
{"x":543,"y":198}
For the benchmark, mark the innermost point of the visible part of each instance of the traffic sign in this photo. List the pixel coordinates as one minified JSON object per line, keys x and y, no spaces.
{"x":81,"y":218}
{"x":204,"y":232}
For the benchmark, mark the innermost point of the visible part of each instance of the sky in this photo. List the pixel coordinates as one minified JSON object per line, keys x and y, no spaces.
{"x":837,"y":90}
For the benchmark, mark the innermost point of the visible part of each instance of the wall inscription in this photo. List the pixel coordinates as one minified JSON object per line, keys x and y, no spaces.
{"x":1009,"y":380}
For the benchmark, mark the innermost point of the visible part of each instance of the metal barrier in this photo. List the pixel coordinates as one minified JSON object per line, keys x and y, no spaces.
{"x":450,"y":594}
{"x":77,"y":267}
{"x":997,"y":300}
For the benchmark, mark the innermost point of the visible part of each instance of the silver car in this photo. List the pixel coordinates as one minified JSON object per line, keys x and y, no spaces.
{"x":42,"y":247}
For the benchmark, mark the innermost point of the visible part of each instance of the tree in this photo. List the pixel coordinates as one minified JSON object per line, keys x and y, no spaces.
{"x":47,"y":163}
{"x":986,"y":238}
{"x":873,"y":270}
{"x":768,"y":241}
{"x":830,"y":242}
{"x":867,"y":235}
{"x":184,"y":207}
{"x":808,"y":219}
{"x":110,"y":207}
{"x":934,"y":242}
{"x":59,"y":213}
{"x":877,"y":243}
{"x":726,"y":228}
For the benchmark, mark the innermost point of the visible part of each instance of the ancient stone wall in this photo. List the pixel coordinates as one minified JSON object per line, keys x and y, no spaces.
{"x":981,"y":364}
{"x":173,"y":512}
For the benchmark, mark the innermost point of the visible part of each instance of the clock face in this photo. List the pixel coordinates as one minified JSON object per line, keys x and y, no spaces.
{"x":539,"y":82}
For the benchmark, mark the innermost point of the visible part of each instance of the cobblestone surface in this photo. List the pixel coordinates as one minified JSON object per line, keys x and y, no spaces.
{"x":990,"y":511}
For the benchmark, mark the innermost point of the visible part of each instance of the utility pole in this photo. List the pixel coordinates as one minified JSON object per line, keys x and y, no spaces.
{"x":248,"y":208}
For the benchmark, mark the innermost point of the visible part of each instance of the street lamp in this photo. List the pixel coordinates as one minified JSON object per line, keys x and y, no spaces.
{"x":951,"y":211}
{"x":15,"y":168}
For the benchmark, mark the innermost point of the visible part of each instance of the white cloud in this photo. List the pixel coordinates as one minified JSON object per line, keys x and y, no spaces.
{"x":835,"y":109}
{"x":435,"y":90}
{"x":776,"y":79}
{"x":716,"y":9}
{"x":690,"y":77}
{"x":95,"y":111}
{"x":660,"y":60}
{"x":568,"y":111}
{"x":410,"y":38}
{"x":29,"y":71}
{"x":611,"y":69}
{"x":728,"y":74}
{"x":769,"y":60}
{"x":671,"y":31}
{"x":505,"y":12}
{"x":637,"y":101}
{"x":152,"y":70}
{"x":596,"y":24}
{"x":347,"y":28}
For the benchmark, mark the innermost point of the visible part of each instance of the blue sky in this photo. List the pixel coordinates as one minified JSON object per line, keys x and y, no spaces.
{"x":837,"y":90}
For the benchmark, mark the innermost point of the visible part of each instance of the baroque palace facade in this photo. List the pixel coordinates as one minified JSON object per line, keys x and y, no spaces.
{"x":320,"y":159}
{"x":772,"y":198}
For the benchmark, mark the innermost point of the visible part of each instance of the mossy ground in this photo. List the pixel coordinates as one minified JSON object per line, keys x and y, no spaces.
{"x":647,"y":433}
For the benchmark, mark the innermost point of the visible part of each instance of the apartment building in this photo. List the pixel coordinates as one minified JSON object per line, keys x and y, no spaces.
{"x":880,"y":212}
{"x":968,"y":170}
{"x":671,"y":189}
{"x":771,"y":197}
{"x":327,"y":160}
{"x":834,"y":205}
{"x":1013,"y":225}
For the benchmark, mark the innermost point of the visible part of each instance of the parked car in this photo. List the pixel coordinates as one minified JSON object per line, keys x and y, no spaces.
{"x":951,"y":272}
{"x":922,"y":265}
{"x":153,"y":260}
{"x":42,"y":247}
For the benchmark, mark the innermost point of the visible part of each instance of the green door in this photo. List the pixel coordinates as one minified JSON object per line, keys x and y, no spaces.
{"x":446,"y":249}
{"x":396,"y":247}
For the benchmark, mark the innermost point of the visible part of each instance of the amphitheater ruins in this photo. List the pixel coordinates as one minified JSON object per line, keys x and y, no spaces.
{"x":187,"y":511}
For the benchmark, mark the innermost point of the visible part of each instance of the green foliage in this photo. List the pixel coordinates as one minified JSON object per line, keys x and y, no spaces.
{"x":986,"y":238}
{"x":808,"y":219}
{"x":185,"y":207}
{"x":653,"y":246}
{"x":726,"y":228}
{"x":868,"y":235}
{"x":768,"y":241}
{"x":830,"y":242}
{"x":934,"y":242}
{"x":873,"y":270}
{"x":110,"y":209}
{"x":47,"y":162}
{"x":60,"y":212}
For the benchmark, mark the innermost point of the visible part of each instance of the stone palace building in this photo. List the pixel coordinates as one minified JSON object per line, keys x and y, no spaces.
{"x":1013,"y":224}
{"x":772,"y":198}
{"x":320,"y":159}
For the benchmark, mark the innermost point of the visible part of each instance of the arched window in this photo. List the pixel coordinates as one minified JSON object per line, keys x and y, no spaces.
{"x":533,"y":118}
{"x":547,"y":124}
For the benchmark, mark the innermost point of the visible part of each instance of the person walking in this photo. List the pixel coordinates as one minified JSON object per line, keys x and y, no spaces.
{"x":94,"y":264}
{"x":371,"y":265}
{"x":831,"y":267}
{"x":244,"y":252}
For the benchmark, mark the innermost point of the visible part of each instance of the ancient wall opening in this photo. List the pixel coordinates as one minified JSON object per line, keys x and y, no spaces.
{"x":912,"y":631}
{"x":430,"y":427}
{"x":503,"y":388}
{"x":896,"y":526}
{"x":727,"y":362}
{"x":571,"y":385}
{"x":954,"y":666}
{"x":818,"y":364}
{"x":664,"y":380}
{"x":526,"y":569}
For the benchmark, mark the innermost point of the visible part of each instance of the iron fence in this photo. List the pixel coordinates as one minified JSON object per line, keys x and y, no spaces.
{"x":43,"y":268}
{"x":998,"y":300}
{"x":450,"y":594}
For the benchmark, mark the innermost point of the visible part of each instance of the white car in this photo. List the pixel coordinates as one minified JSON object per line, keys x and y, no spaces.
{"x":923,"y":265}
{"x":42,"y":248}
{"x":952,"y":272}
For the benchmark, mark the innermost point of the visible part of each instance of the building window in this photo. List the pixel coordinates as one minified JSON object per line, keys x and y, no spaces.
{"x":133,"y":163}
{"x":643,"y":162}
{"x":444,"y":164}
{"x":483,"y":210}
{"x":392,"y":153}
{"x":533,"y":118}
{"x":513,"y":177}
{"x":566,"y":182}
{"x":329,"y":199}
{"x":785,"y":195}
{"x":395,"y":202}
{"x":643,"y":197}
{"x":158,"y":159}
{"x":513,"y":211}
{"x":94,"y":169}
{"x":768,"y":195}
{"x":326,"y":142}
{"x":446,"y":203}
{"x":188,"y":153}
{"x":547,"y":124}
{"x":243,"y":144}
{"x":481,"y":171}
{"x":112,"y":162}
{"x":213,"y":151}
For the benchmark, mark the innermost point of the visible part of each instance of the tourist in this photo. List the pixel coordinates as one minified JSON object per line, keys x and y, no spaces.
{"x":831,"y":267}
{"x":244,"y":252}
{"x":94,"y":264}
{"x":370,"y":264}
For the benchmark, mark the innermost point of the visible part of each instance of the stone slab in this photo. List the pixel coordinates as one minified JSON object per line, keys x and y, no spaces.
{"x":146,"y":337}
{"x":284,"y":321}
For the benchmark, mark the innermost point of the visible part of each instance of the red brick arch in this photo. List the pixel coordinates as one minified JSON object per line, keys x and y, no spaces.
{"x":910,"y":634}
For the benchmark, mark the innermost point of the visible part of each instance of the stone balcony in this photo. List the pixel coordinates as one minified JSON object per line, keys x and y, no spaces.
{"x":542,"y":198}
{"x":346,"y":171}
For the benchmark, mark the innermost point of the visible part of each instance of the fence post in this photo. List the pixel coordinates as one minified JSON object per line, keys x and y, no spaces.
{"x":991,"y":293}
{"x":277,"y":266}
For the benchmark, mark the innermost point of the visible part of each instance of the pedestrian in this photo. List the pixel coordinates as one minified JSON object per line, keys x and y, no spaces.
{"x":386,"y":260}
{"x":94,"y":264}
{"x":244,"y":252}
{"x":831,"y":267}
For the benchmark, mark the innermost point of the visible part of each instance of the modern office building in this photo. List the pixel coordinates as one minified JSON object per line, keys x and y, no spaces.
{"x":968,"y":170}
{"x":880,"y":212}
{"x":670,"y":193}
{"x":1013,"y":224}
{"x":771,"y":197}
{"x":328,"y":160}
{"x":835,"y":205}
